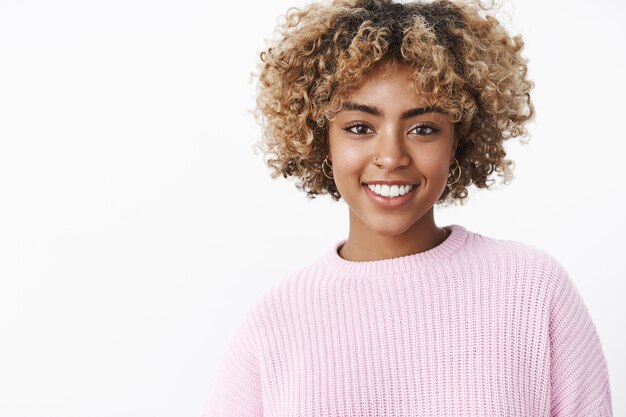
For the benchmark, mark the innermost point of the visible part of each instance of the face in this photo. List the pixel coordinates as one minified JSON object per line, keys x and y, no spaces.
{"x":383,"y":134}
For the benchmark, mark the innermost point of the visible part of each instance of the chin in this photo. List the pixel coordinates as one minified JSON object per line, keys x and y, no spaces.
{"x":385,"y":227}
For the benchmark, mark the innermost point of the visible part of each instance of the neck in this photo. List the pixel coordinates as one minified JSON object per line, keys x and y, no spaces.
{"x":364,"y":244}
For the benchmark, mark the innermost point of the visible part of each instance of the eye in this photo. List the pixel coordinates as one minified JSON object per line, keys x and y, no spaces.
{"x":424,"y":130}
{"x":361,"y":129}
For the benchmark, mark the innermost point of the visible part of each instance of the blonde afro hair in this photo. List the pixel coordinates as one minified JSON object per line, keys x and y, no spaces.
{"x":463,"y":60}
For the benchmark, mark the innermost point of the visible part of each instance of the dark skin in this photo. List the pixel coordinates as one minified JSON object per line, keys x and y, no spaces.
{"x":395,"y":144}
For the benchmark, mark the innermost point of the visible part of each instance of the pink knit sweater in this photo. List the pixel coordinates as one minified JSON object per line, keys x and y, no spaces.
{"x":475,"y":326}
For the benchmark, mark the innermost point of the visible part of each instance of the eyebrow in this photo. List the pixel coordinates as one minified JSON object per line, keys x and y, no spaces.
{"x":375,"y":111}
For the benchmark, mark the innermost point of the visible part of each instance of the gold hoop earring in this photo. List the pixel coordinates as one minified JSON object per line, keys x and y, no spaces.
{"x":325,"y":161}
{"x":450,"y":173}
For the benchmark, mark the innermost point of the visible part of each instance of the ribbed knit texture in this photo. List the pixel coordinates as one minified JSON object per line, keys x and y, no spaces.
{"x":475,"y":326}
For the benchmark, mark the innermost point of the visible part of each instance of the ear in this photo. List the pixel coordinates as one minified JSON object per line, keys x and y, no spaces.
{"x":454,"y":145}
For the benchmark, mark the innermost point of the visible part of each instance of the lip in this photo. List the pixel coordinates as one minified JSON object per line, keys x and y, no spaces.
{"x":390,"y":182}
{"x":393,"y":202}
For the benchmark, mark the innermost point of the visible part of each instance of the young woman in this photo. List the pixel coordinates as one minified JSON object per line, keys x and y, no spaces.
{"x":395,"y":108}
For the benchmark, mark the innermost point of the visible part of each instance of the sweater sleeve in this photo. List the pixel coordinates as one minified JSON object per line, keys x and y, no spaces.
{"x":236,"y":388}
{"x":579,"y":377}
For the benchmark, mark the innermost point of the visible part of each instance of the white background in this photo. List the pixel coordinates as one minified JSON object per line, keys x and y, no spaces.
{"x":137,"y":225}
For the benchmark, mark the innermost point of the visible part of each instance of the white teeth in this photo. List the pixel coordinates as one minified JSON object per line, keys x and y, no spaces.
{"x":390,"y":192}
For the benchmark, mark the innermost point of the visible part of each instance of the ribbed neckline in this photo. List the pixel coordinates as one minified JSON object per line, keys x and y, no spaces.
{"x":337,"y":264}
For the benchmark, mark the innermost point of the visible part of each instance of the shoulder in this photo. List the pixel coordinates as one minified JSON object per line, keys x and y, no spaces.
{"x":529,"y":260}
{"x":276,"y":299}
{"x":503,"y":247}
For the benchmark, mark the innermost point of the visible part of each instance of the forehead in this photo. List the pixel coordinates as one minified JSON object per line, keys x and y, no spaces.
{"x":386,"y":71}
{"x":389,"y":84}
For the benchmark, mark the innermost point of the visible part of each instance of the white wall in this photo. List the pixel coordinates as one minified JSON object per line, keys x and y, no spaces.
{"x":136,"y":224}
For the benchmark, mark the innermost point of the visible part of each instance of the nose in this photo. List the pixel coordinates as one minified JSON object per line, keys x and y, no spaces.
{"x":391,"y":153}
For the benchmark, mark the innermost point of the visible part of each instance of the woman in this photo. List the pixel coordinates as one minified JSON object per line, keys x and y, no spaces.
{"x":396,"y":108}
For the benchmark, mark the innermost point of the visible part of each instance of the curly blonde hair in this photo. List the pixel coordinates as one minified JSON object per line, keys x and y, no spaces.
{"x":462,"y":58}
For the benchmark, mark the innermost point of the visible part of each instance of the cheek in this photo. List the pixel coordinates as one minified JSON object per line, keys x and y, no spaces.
{"x":432,"y":162}
{"x":353,"y":159}
{"x":348,"y":158}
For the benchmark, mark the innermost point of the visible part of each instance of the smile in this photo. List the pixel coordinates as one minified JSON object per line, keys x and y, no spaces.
{"x":390,"y":190}
{"x":390,"y":202}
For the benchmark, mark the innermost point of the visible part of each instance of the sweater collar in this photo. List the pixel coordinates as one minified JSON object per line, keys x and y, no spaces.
{"x":337,"y":264}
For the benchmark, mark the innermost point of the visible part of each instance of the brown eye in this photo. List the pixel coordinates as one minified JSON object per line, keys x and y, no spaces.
{"x":424,"y":130}
{"x":361,"y":129}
